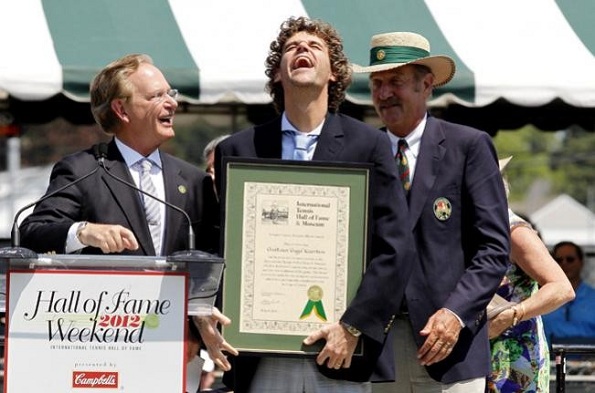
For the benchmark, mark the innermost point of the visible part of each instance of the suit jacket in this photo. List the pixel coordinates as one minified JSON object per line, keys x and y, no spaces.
{"x":344,"y":139}
{"x":459,"y":219}
{"x":102,"y":199}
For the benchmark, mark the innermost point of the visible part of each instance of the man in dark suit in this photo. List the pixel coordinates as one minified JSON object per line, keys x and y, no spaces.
{"x":308,"y":74}
{"x":459,"y":221}
{"x":132,"y":100}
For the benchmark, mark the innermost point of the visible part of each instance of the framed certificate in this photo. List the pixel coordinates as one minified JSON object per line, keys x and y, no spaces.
{"x":295,"y":249}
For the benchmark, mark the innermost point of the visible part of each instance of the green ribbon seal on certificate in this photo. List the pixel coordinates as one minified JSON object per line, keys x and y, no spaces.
{"x":314,"y":303}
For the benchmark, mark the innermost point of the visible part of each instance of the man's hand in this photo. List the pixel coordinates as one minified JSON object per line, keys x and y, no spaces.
{"x":442,"y":332}
{"x":207,"y":327}
{"x":339,"y":347}
{"x":109,"y":238}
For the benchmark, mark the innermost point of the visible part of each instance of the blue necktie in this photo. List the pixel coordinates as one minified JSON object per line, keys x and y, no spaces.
{"x":303,"y":144}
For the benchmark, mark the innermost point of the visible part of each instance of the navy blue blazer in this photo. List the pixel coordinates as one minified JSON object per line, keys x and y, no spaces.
{"x":459,"y":220}
{"x":102,"y":199}
{"x":344,"y":139}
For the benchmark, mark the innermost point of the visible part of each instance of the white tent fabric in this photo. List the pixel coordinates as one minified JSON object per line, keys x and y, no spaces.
{"x":17,"y":190}
{"x":517,"y":50}
{"x":564,"y":218}
{"x":29,"y":66}
{"x":525,"y":52}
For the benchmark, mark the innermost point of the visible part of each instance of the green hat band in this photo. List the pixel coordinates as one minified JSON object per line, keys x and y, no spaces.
{"x":396,"y":54}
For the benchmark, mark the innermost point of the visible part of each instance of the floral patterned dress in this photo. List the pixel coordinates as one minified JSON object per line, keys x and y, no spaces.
{"x":520,"y":355}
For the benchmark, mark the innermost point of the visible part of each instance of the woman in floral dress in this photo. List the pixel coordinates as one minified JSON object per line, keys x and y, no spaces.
{"x":536,"y":285}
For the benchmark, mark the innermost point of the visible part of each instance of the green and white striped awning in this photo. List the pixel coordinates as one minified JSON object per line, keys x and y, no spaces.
{"x":527,"y":52}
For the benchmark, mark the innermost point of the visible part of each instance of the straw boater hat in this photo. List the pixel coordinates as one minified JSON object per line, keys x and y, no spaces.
{"x":392,"y":50}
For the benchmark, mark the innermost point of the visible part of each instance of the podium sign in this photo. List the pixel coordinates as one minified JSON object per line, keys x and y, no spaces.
{"x":111,"y":322}
{"x":81,"y":330}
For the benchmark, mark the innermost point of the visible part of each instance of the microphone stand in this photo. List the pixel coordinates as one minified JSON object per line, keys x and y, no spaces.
{"x":191,"y":237}
{"x":15,"y":250}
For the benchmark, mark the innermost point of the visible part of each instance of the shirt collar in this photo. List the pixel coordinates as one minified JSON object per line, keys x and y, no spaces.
{"x":413,"y":139}
{"x":131,"y":156}
{"x":287,"y":126}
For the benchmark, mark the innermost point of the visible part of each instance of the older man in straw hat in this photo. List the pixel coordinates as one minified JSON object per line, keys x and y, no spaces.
{"x":459,"y":221}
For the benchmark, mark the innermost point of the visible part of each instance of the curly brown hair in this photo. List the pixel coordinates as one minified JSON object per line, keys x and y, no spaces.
{"x":339,"y":63}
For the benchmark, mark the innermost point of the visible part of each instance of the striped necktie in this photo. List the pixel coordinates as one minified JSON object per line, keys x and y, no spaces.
{"x":152,"y":208}
{"x":403,"y":164}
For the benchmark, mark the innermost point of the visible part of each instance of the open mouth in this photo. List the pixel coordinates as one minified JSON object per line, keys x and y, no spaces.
{"x":302,"y":62}
{"x":167,"y":120}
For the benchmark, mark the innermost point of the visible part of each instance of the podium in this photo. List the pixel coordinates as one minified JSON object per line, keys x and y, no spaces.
{"x":79,"y":322}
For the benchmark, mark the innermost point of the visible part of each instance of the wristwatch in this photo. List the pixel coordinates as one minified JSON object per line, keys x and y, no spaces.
{"x":352,"y":330}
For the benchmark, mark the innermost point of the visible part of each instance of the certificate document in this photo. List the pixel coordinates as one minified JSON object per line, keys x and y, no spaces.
{"x":294,"y":257}
{"x":295,"y":249}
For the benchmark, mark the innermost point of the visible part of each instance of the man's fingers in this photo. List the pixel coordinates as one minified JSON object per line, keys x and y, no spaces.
{"x":223,"y":365}
{"x":207,"y":326}
{"x":312,"y":338}
{"x":220,"y":360}
{"x":222,"y":319}
{"x":437,"y":352}
{"x":347,"y":362}
{"x":229,"y":349}
{"x":128,"y":239}
{"x":109,"y":238}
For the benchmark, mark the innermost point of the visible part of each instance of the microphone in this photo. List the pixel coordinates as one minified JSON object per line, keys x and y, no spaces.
{"x":101,"y":154}
{"x":15,"y":250}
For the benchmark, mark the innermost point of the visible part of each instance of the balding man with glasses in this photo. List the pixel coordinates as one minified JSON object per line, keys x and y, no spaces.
{"x":99,"y":214}
{"x":131,"y":100}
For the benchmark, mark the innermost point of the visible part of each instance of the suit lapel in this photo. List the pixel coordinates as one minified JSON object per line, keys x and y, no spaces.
{"x":127,"y":199}
{"x":428,"y":164}
{"x":176,"y":193}
{"x":267,"y":139}
{"x":331,"y":141}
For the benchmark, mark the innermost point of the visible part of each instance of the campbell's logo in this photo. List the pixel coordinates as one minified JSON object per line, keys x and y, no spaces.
{"x":95,"y":379}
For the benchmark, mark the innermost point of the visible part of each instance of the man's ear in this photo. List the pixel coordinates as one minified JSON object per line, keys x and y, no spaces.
{"x":119,"y":110}
{"x":277,"y":77}
{"x":428,"y":83}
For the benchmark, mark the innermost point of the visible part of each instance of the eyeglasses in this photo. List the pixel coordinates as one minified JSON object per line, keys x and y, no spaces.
{"x":565,"y":259}
{"x":160,"y":96}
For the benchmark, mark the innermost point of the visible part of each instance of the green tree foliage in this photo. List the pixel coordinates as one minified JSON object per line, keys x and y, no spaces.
{"x":573,"y":164}
{"x":43,"y":144}
{"x":195,"y":131}
{"x":563,"y":159}
{"x":530,"y":149}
